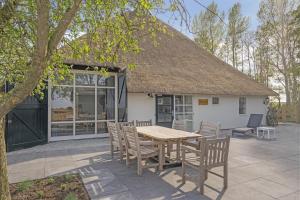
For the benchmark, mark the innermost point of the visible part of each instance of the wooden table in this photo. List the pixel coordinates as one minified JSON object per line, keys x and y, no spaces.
{"x":162,"y":135}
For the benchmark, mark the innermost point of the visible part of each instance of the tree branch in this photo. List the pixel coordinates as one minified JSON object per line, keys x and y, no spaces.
{"x":62,"y":27}
{"x":36,"y":67}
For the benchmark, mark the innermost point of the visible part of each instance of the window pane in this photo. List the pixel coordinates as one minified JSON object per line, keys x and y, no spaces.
{"x":106,"y":81}
{"x":61,"y":130}
{"x":105,"y":104}
{"x":189,"y":116}
{"x":179,"y":117}
{"x":179,"y":100}
{"x":188,"y":108}
{"x":101,"y":127}
{"x":188,"y":100}
{"x":242,"y":105}
{"x":67,"y":80}
{"x":85,"y":128}
{"x":85,"y":104}
{"x":62,"y":104}
{"x":179,"y":109}
{"x":85,"y":80}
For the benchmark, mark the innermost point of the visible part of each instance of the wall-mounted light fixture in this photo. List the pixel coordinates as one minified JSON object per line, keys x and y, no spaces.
{"x":150,"y":95}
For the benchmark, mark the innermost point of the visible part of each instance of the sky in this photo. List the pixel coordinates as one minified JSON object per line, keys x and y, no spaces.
{"x":248,"y":8}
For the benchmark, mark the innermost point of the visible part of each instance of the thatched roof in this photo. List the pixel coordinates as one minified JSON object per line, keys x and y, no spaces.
{"x":179,"y":66}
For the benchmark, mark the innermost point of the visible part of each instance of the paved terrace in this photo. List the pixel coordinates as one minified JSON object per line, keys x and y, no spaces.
{"x":258,"y":169}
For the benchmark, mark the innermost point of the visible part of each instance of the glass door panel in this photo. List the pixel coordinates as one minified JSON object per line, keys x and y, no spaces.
{"x":164,"y":110}
{"x":105,"y":104}
{"x":85,"y":104}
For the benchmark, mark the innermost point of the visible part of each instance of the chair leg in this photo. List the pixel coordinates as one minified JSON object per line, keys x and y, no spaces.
{"x":201,"y":181}
{"x":206,"y":174}
{"x":139,"y":165}
{"x":112,"y":150}
{"x":225,"y":176}
{"x":127,"y":159}
{"x":121,"y":154}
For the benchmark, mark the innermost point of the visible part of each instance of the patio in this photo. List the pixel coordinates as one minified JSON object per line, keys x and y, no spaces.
{"x":258,"y":169}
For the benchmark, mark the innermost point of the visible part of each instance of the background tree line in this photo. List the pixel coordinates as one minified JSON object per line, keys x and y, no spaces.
{"x":270,"y":54}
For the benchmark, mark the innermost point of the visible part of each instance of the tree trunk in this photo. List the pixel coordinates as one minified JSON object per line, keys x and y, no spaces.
{"x":4,"y":185}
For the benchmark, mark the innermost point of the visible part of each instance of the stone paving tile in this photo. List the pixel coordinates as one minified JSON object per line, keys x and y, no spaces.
{"x":269,"y":187}
{"x":118,"y":196}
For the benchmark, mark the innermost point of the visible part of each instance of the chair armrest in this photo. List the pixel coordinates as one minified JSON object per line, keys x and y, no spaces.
{"x":189,"y":149}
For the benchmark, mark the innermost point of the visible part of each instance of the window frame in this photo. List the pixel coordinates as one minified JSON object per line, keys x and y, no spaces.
{"x":214,"y":98}
{"x":74,"y":121}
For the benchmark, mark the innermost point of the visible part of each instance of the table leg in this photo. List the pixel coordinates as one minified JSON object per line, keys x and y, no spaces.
{"x":161,"y":155}
{"x":177,"y":150}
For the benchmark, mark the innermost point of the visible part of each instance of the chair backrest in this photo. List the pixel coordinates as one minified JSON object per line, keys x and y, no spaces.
{"x":215,"y":152}
{"x":179,"y":125}
{"x":131,"y":137}
{"x":121,"y":124}
{"x":143,"y":123}
{"x":114,"y":132}
{"x":255,"y":120}
{"x":209,"y":129}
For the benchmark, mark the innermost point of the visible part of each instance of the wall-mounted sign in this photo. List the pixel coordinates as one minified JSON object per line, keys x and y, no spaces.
{"x":202,"y":101}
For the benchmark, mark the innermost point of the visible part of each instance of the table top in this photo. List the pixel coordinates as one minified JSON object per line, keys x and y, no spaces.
{"x":163,"y":133}
{"x":266,"y":128}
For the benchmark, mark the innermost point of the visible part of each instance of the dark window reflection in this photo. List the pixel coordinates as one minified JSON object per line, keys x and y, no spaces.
{"x":106,"y":81}
{"x":101,"y":127}
{"x":85,"y":104}
{"x":85,"y":79}
{"x":61,"y":130}
{"x":105,"y":104}
{"x":85,"y":128}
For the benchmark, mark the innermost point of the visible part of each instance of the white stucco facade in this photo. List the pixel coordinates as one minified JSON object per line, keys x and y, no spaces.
{"x":142,"y":107}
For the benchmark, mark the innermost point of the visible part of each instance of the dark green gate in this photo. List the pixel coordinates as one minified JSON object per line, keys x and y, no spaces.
{"x":26,"y":125}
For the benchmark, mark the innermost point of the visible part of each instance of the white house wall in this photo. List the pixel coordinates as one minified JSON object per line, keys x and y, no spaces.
{"x":142,"y":107}
{"x":227,"y":111}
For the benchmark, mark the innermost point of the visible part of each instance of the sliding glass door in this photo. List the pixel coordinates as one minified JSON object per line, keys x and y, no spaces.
{"x":81,"y":106}
{"x":183,"y":107}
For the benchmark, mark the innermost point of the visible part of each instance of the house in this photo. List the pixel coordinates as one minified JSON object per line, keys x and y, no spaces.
{"x":176,"y":80}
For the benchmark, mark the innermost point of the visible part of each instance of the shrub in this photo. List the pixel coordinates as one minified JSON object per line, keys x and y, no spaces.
{"x":71,"y":196}
{"x":50,"y":180}
{"x":24,"y":186}
{"x":40,"y":194}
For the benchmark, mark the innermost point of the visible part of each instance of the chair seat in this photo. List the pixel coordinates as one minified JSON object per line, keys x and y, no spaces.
{"x":148,"y":151}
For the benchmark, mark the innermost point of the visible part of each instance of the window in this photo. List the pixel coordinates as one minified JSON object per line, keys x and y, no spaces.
{"x":184,"y":110}
{"x":82,"y":104}
{"x":215,"y":100}
{"x":242,"y":105}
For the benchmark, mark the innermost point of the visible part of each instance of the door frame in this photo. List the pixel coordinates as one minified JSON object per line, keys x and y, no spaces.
{"x":156,"y":106}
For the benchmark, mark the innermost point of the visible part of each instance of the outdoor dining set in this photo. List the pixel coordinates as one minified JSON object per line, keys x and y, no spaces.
{"x":160,"y":147}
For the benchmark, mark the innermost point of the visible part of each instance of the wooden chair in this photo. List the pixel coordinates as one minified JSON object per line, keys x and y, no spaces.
{"x":178,"y":125}
{"x":142,"y":150}
{"x":116,"y":139}
{"x":208,"y":130}
{"x":212,"y":153}
{"x":143,"y":123}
